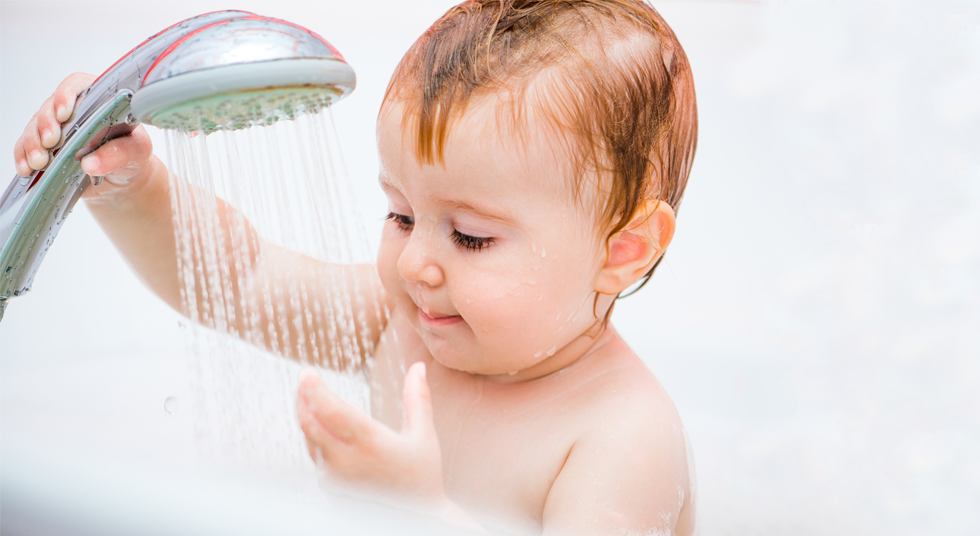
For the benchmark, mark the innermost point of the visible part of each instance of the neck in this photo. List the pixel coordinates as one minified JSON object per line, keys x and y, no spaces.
{"x":580,"y":349}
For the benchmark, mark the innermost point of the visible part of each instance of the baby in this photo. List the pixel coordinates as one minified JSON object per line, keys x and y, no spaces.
{"x":533,"y":154}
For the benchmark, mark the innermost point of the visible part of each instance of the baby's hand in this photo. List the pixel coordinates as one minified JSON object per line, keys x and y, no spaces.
{"x":123,"y":162}
{"x":367,"y":456}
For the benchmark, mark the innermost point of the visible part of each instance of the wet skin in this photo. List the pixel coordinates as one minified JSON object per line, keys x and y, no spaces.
{"x":526,"y":414}
{"x":544,"y":419}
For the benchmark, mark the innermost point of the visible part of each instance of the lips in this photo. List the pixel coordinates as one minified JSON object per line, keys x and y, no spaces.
{"x":437,"y":320}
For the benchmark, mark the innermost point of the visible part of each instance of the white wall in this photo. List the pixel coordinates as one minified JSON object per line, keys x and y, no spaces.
{"x":817,"y":319}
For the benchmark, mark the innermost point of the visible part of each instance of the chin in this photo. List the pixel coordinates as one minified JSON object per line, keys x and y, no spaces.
{"x":446,"y":355}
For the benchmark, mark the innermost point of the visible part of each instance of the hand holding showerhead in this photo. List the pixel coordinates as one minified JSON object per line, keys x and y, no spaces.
{"x":121,"y":162}
{"x":220,"y":71}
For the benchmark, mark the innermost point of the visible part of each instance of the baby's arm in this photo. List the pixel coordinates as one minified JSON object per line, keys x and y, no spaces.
{"x":133,"y":207}
{"x":622,"y":479}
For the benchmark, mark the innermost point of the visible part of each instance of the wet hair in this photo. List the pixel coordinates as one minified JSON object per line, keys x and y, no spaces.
{"x":607,"y":77}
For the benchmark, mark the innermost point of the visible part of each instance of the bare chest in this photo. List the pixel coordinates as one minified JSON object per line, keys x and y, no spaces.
{"x":502,"y":445}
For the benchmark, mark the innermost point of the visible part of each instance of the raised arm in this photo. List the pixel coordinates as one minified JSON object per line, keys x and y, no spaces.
{"x":133,"y":207}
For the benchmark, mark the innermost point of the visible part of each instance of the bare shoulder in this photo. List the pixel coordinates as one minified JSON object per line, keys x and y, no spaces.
{"x":619,"y":394}
{"x":628,"y":469}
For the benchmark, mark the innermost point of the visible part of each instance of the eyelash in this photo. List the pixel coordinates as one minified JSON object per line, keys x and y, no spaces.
{"x":405,"y":223}
{"x":473,"y":243}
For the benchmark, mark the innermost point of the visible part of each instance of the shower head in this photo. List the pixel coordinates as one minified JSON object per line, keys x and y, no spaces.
{"x":219,"y":71}
{"x":241,"y":72}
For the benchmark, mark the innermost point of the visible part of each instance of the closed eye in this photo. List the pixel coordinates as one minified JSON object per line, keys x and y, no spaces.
{"x":475,"y":243}
{"x":405,"y":223}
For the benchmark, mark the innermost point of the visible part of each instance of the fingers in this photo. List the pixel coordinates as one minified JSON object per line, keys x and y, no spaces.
{"x":318,"y":438}
{"x":20,"y":158}
{"x":48,"y":127}
{"x":32,"y":152}
{"x":314,"y":450}
{"x":43,"y":131}
{"x":121,"y":159}
{"x":326,"y":417}
{"x":363,"y":454}
{"x":66,"y":96}
{"x":418,"y":402}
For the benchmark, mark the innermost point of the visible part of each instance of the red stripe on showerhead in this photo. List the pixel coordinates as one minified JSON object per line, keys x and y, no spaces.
{"x":333,"y":50}
{"x":128,"y":54}
{"x":173,"y":46}
{"x":36,"y":178}
{"x":154,"y":36}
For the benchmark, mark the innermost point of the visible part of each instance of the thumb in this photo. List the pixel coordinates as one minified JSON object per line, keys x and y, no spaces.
{"x":418,"y":402}
{"x":122,"y":160}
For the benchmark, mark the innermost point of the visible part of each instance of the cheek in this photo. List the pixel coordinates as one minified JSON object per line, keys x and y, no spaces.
{"x":531,"y":296}
{"x":484,"y":291}
{"x":390,"y":251}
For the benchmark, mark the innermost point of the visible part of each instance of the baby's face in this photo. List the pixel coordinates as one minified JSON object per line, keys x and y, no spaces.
{"x":489,"y":257}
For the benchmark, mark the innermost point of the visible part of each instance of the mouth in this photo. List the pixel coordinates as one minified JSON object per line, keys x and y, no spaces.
{"x":436,"y":320}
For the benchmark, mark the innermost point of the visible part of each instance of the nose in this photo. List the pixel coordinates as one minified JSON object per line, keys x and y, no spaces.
{"x":416,"y":265}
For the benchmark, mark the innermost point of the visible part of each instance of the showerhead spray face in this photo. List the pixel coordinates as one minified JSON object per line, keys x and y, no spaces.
{"x":239,"y":73}
{"x":219,"y":71}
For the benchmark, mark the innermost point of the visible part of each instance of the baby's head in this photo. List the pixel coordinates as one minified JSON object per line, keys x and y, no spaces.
{"x":548,"y":142}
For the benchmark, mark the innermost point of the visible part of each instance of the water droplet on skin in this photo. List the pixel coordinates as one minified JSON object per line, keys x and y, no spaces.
{"x":534,"y":247}
{"x":170,"y":405}
{"x":512,"y":373}
{"x":552,"y":351}
{"x":543,"y":253}
{"x":538,"y":354}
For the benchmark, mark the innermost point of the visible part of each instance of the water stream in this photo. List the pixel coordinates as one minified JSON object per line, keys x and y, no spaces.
{"x":266,"y":230}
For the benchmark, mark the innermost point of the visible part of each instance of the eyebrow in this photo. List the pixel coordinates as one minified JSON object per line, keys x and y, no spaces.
{"x":386,"y":182}
{"x":480,"y":211}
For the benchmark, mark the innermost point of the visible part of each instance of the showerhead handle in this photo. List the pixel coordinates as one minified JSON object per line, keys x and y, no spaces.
{"x":33,"y":208}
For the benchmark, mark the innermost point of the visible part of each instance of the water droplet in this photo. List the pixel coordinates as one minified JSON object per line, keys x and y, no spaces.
{"x":538,"y":354}
{"x":512,"y":373}
{"x":170,"y":405}
{"x":552,"y":351}
{"x":543,"y":253}
{"x":534,"y":247}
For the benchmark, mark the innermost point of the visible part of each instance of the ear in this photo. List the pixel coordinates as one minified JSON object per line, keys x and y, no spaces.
{"x":634,"y":250}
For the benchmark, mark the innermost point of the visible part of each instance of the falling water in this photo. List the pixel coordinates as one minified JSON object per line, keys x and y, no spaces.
{"x":267,"y":235}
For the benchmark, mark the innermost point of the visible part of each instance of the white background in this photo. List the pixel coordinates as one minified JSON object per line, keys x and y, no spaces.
{"x":818,"y":319}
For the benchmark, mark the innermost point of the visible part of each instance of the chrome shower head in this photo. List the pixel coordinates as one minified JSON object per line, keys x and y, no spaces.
{"x":219,"y":71}
{"x":241,"y":72}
